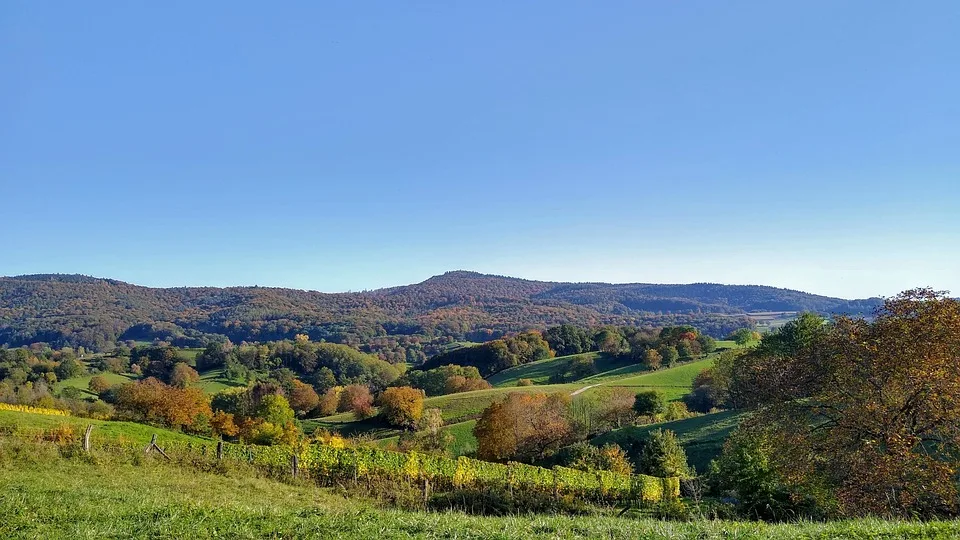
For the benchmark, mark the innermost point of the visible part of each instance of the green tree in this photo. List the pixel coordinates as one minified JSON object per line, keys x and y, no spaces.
{"x":68,"y":369}
{"x":663,"y":456}
{"x":669,"y":355}
{"x":650,"y":403}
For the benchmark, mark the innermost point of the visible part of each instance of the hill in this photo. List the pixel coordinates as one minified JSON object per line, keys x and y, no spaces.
{"x":72,"y":310}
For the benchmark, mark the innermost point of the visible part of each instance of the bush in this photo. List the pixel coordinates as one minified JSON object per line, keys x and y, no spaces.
{"x":525,"y":382}
{"x":663,"y":456}
{"x":650,"y":403}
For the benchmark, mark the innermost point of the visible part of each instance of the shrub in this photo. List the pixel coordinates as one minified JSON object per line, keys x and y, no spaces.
{"x":650,"y":403}
{"x":663,"y":456}
{"x":525,"y":382}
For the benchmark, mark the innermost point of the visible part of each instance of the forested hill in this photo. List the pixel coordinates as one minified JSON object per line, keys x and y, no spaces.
{"x":79,"y":310}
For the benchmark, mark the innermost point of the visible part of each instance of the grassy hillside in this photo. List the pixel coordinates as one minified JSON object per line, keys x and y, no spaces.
{"x":702,"y":437}
{"x":43,"y":495}
{"x":673,"y":382}
{"x":103,"y":429}
{"x":541,"y":371}
{"x":83,"y":382}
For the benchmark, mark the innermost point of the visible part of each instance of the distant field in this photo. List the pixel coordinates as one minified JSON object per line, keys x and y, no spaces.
{"x":214,"y":381}
{"x":128,"y":431}
{"x":673,"y":382}
{"x":84,"y":381}
{"x":541,"y":371}
{"x":190,"y":354}
{"x":702,"y":437}
{"x":466,"y":405}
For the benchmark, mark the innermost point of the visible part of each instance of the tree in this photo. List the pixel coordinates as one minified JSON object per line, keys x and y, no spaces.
{"x":275,"y":409}
{"x":652,"y":359}
{"x":868,"y":408}
{"x":568,"y":339}
{"x":68,"y":369}
{"x":401,"y":406}
{"x":650,"y":403}
{"x":611,"y":341}
{"x":222,"y":424}
{"x":523,"y":427}
{"x":663,"y":456}
{"x":99,"y":384}
{"x":428,"y":436}
{"x":587,"y":457}
{"x":742,"y":336}
{"x":154,"y":402}
{"x":183,"y":375}
{"x":330,"y":401}
{"x":302,"y":397}
{"x":669,"y":355}
{"x":707,"y":343}
{"x":357,"y":399}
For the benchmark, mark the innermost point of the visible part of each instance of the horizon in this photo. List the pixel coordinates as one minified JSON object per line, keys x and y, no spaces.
{"x":479,"y":274}
{"x":336,"y":147}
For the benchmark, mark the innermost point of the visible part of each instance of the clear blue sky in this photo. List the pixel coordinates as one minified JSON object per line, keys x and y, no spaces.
{"x":354,"y":145}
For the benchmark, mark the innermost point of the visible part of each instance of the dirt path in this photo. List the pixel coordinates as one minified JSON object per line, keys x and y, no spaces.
{"x":584,"y":389}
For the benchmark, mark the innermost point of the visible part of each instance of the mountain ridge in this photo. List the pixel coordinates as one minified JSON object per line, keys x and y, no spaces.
{"x":73,"y":309}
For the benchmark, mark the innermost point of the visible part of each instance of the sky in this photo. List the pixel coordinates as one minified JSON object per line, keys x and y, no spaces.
{"x":341,"y":146}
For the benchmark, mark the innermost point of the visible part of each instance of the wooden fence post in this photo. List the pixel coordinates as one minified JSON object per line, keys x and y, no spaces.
{"x":153,"y":446}
{"x":294,"y":465}
{"x":86,"y":438}
{"x":426,"y":491}
{"x":219,"y":450}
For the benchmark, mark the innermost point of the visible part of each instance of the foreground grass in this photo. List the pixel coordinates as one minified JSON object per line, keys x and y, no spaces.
{"x":43,"y":495}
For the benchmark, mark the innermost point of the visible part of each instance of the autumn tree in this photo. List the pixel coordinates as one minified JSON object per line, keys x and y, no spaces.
{"x":401,"y":406}
{"x":868,"y":408}
{"x":183,"y":375}
{"x":523,"y":427}
{"x":652,"y":359}
{"x":302,"y":397}
{"x":154,"y":402}
{"x":329,"y":401}
{"x":357,"y":399}
{"x":99,"y":384}
{"x":222,"y":424}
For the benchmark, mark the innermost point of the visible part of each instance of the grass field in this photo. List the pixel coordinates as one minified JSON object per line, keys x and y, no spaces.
{"x":702,"y":437}
{"x":83,"y":382}
{"x":673,"y":382}
{"x":214,"y":381}
{"x":114,"y":431}
{"x":43,"y":495}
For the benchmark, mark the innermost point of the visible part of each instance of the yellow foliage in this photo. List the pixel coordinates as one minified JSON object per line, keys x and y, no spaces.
{"x":33,"y":410}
